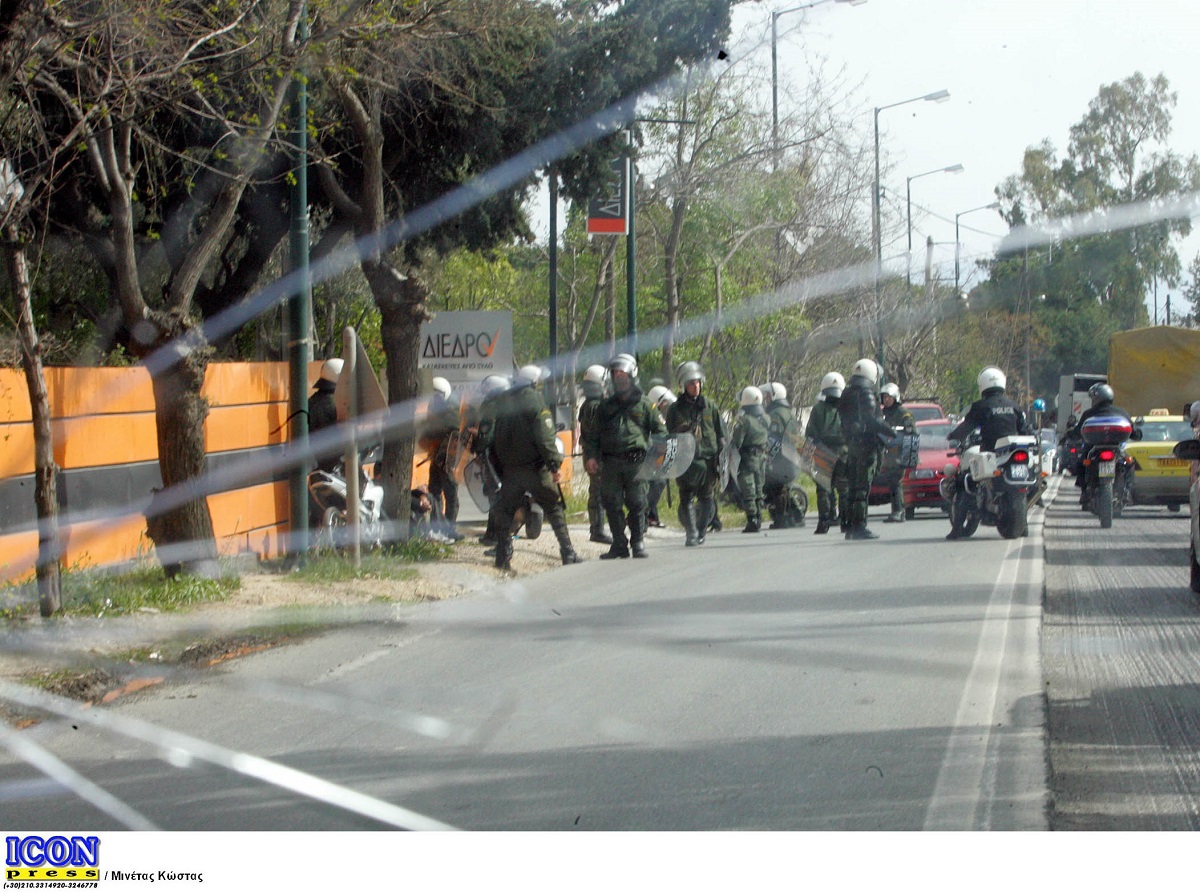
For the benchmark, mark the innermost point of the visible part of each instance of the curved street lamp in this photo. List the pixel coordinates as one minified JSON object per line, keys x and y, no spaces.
{"x":993,"y":206}
{"x":936,"y":96}
{"x":952,"y":169}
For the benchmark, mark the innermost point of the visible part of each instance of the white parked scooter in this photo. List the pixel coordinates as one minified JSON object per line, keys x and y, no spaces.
{"x":329,"y":491}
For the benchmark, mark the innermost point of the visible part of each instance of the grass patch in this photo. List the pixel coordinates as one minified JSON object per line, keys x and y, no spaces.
{"x":100,"y":593}
{"x":337,"y":568}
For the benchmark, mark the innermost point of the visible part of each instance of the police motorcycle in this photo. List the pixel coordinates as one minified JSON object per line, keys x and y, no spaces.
{"x":329,"y":490}
{"x":992,"y":488}
{"x":1107,"y":469}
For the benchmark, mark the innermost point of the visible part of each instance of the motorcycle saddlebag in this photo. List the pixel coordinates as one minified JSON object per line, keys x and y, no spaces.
{"x":1106,"y":429}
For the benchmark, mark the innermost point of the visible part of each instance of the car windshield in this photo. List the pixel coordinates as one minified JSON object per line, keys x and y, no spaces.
{"x":1165,"y":432}
{"x":924,"y":413}
{"x":257,"y":237}
{"x":934,"y":436}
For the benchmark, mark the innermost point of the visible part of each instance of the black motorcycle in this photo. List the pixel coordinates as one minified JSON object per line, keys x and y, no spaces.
{"x":1107,"y":470}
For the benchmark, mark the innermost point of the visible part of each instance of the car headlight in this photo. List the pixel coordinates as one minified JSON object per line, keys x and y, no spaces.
{"x":922,"y":474}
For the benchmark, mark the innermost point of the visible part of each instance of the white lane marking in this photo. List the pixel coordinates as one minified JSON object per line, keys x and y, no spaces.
{"x":966,"y":780}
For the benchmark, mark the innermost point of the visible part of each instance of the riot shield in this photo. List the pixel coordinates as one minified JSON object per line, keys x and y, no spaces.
{"x":817,"y":461}
{"x":481,"y":481}
{"x":731,"y":460}
{"x":667,"y":457}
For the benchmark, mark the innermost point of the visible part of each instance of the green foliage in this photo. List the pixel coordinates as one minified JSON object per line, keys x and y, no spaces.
{"x":1095,"y":284}
{"x":337,"y":568}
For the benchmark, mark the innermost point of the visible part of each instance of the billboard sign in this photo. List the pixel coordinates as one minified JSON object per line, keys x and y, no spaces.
{"x":467,"y":346}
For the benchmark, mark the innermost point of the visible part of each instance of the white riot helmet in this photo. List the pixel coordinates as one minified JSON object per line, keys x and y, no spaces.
{"x":891,"y":390}
{"x":624,"y":362}
{"x":660,"y":395}
{"x":331,"y":369}
{"x":594,"y":379}
{"x":689,"y":371}
{"x":528,"y":375}
{"x":493,"y":385}
{"x":441,"y":386}
{"x":775,"y":390}
{"x":833,"y":384}
{"x":991,"y":377}
{"x":1194,"y":413}
{"x":751,"y":396}
{"x":866,"y":368}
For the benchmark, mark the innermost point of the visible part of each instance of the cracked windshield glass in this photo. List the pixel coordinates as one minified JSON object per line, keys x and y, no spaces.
{"x":594,"y":415}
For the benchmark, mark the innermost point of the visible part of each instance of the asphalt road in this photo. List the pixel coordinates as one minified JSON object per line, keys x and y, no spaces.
{"x":780,"y":681}
{"x":1121,"y":655}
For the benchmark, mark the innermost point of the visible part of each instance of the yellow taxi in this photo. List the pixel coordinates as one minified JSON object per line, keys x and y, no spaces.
{"x":1159,"y":477}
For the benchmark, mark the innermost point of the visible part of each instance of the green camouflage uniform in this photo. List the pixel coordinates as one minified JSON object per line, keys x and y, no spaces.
{"x":618,"y":441}
{"x":697,"y":505}
{"x":896,"y":416}
{"x":825,"y":428}
{"x":781,"y":471}
{"x":749,"y":438}
{"x":526,"y":449}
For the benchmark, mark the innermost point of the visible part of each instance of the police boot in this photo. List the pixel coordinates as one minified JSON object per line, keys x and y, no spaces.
{"x":620,"y":545}
{"x":565,"y":550}
{"x":637,"y":530}
{"x":822,"y":525}
{"x":504,"y":552}
{"x":896,"y":517}
{"x":861,"y":532}
{"x":753,"y":524}
{"x":596,"y":523}
{"x":706,"y":518}
{"x":687,"y":517}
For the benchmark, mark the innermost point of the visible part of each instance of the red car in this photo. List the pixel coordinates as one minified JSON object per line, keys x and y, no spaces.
{"x":923,"y":414}
{"x":921,"y":483}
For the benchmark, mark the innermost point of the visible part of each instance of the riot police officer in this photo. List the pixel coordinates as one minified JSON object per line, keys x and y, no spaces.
{"x":595,"y":383}
{"x":897,"y":418}
{"x":994,"y":415}
{"x":616,"y":447}
{"x":693,"y":413}
{"x":529,"y":456}
{"x":865,"y":432}
{"x":825,"y":429}
{"x":439,"y":435}
{"x":781,"y":471}
{"x":749,"y":438}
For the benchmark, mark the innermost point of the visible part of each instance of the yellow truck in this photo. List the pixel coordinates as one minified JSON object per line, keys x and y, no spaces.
{"x":1154,"y":368}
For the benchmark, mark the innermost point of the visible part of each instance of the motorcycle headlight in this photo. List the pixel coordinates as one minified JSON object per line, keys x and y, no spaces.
{"x":950,"y":469}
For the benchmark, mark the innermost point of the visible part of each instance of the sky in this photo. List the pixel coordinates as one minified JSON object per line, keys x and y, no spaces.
{"x":1018,"y":72}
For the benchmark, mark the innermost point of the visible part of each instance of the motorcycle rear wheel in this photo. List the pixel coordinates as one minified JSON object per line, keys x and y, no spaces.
{"x":1013,"y":515}
{"x":1104,"y":503}
{"x":331,"y":535}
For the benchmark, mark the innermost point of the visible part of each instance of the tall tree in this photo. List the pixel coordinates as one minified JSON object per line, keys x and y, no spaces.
{"x":1117,"y":155}
{"x":432,"y":95}
{"x":153,"y":99}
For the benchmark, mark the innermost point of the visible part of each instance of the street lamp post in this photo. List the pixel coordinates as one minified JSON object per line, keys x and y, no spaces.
{"x":937,"y":96}
{"x":952,"y":169}
{"x":775,"y":16}
{"x":994,"y":206}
